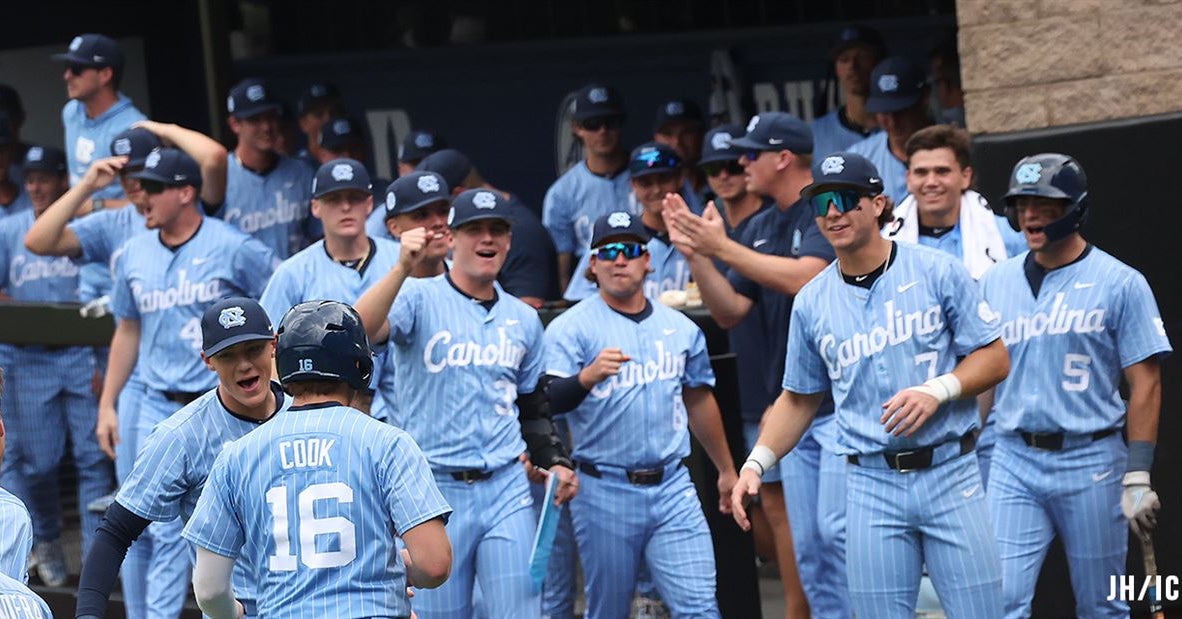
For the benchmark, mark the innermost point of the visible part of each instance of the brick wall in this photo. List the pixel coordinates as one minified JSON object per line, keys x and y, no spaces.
{"x":1029,"y":64}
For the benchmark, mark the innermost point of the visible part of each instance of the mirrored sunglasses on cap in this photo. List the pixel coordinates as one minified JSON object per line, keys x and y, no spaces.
{"x":845,"y":200}
{"x":611,"y":251}
{"x":714,"y":168}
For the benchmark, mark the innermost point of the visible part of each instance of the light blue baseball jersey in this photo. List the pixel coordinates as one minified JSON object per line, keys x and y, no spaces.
{"x":1091,"y":319}
{"x":637,"y":418}
{"x":274,"y":208}
{"x":318,"y":495}
{"x":912,"y":324}
{"x":25,"y":276}
{"x":375,"y":224}
{"x":951,"y":243}
{"x":16,"y":537}
{"x":831,"y":135}
{"x":314,"y":274}
{"x":18,"y":204}
{"x":670,"y":271}
{"x":893,"y":170}
{"x":577,"y":199}
{"x":89,"y":139}
{"x":168,"y":290}
{"x":19,"y":602}
{"x":460,"y":369}
{"x":101,"y":234}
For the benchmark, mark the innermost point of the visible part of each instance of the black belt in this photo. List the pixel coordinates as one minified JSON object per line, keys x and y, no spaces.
{"x":918,"y":459}
{"x":180,"y":397}
{"x":1053,"y":441}
{"x":474,"y":475}
{"x":637,"y":477}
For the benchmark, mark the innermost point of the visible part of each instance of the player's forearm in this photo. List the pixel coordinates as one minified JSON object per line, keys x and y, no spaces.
{"x":1144,"y":409}
{"x":208,"y":154}
{"x":705,"y":422}
{"x":779,"y":273}
{"x":428,"y":554}
{"x":211,"y":585}
{"x":726,"y":306}
{"x":982,"y":369}
{"x":100,"y":569}
{"x":49,"y":236}
{"x":121,"y":360}
{"x":787,"y":420}
{"x":374,"y":305}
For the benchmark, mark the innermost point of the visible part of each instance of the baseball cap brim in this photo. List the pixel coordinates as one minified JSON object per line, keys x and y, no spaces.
{"x":400,"y":210}
{"x":255,"y":110}
{"x":617,"y":236}
{"x":602,"y":112}
{"x":477,"y":217}
{"x":816,"y":188}
{"x":342,"y":187}
{"x":886,"y":105}
{"x":237,"y":339}
{"x":151,"y":175}
{"x":720,"y":156}
{"x":745,"y":142}
{"x":651,"y":171}
{"x":72,"y":58}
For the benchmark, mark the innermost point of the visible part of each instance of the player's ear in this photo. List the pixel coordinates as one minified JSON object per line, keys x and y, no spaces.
{"x":967,"y":180}
{"x":392,"y":226}
{"x":206,"y":361}
{"x":316,"y":208}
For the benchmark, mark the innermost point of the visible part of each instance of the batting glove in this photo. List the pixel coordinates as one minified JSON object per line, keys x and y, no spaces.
{"x":1139,"y":502}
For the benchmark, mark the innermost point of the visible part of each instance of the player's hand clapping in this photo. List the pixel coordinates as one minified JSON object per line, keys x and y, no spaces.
{"x":106,"y":430}
{"x":744,"y":489}
{"x":692,"y":234}
{"x":606,"y":364}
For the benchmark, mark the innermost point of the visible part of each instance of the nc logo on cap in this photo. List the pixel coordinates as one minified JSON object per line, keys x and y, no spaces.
{"x":342,"y":172}
{"x":619,"y":220}
{"x":75,"y":43}
{"x":340,"y":126}
{"x":484,"y":199}
{"x":751,"y":125}
{"x":391,"y":201}
{"x":428,"y":183}
{"x":318,"y":90}
{"x":721,"y":140}
{"x":1028,"y":173}
{"x":597,"y":95}
{"x":832,"y":165}
{"x":230,"y":104}
{"x":153,"y":159}
{"x":35,"y":154}
{"x":451,"y":215}
{"x":122,"y":146}
{"x":674,"y":108}
{"x":888,"y":83}
{"x":424,"y":140}
{"x":255,"y":92}
{"x":232,"y":317}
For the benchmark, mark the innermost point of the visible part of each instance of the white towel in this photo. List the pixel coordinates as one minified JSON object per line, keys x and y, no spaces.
{"x":980,"y":238}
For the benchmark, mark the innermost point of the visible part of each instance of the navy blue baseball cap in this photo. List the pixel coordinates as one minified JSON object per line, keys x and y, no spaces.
{"x":450,"y":163}
{"x":858,"y":35}
{"x":717,"y":145}
{"x":597,"y":101}
{"x":93,"y":50}
{"x":45,"y":158}
{"x":233,"y":321}
{"x":677,"y":109}
{"x":340,"y":132}
{"x":418,"y":144}
{"x":476,"y":204}
{"x":250,"y":97}
{"x":414,"y":191}
{"x":317,"y":96}
{"x":135,"y":144}
{"x":896,"y":83}
{"x":618,"y":224}
{"x":776,"y":131}
{"x":652,"y":158}
{"x":843,"y":170}
{"x":170,"y":166}
{"x":340,"y":174}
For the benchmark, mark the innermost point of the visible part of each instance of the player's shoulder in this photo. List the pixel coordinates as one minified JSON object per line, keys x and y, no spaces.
{"x":516,"y":306}
{"x":16,"y":223}
{"x":301,"y":260}
{"x":668,"y":316}
{"x":290,"y":166}
{"x":71,"y":109}
{"x":10,"y":504}
{"x":190,"y":415}
{"x":814,"y":286}
{"x":868,"y":145}
{"x":383,"y":245}
{"x":1112,"y":270}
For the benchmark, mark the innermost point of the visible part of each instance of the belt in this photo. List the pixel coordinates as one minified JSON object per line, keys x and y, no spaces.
{"x":180,"y":397}
{"x":636,"y":477}
{"x":1056,"y":441}
{"x":40,"y":348}
{"x":918,"y":459}
{"x":475,"y":475}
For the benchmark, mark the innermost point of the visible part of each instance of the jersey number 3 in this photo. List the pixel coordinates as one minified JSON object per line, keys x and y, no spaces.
{"x":308,"y":527}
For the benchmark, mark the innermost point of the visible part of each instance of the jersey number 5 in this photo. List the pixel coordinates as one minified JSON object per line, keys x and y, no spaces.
{"x":308,"y":527}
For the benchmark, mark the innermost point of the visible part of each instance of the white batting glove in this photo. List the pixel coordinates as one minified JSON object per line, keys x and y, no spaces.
{"x":1139,"y":503}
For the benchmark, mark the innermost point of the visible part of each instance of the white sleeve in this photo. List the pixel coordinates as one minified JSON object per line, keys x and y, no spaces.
{"x":211,"y":585}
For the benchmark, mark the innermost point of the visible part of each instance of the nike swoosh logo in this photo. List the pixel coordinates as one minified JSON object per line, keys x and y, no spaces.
{"x":861,"y":278}
{"x":759,"y":242}
{"x":510,"y":322}
{"x":970,"y":492}
{"x":1097,"y":477}
{"x":906,"y":287}
{"x":669,"y":331}
{"x":197,"y":261}
{"x":1081,"y":286}
{"x":775,"y":141}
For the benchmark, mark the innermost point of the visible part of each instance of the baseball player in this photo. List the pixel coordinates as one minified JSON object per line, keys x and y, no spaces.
{"x":96,"y":111}
{"x":857,"y":49}
{"x":595,"y":186}
{"x":679,"y":125}
{"x":898,"y":99}
{"x":49,"y":396}
{"x":469,"y":362}
{"x":267,"y":193}
{"x":318,"y":494}
{"x":654,"y":171}
{"x":170,"y":472}
{"x":315,"y":106}
{"x":16,"y":534}
{"x":1076,"y":320}
{"x":164,"y":282}
{"x":19,"y":601}
{"x":635,"y":375}
{"x":901,"y":337}
{"x":415,"y":147}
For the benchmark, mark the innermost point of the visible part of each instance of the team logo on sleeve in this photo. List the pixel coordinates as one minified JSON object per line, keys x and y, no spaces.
{"x":1028,"y":173}
{"x":1160,"y":326}
{"x":597,"y":95}
{"x":153,"y":159}
{"x":484,"y":199}
{"x":342,"y":172}
{"x":232,"y":317}
{"x":619,"y":220}
{"x":751,"y":124}
{"x":255,"y":93}
{"x":888,"y":83}
{"x":428,"y":183}
{"x":721,"y":140}
{"x":833,"y":165}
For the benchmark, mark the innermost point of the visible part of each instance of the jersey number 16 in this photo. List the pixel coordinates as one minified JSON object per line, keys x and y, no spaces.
{"x":308,"y":527}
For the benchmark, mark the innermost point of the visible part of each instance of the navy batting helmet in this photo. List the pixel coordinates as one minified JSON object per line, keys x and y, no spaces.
{"x":1050,"y":175}
{"x":323,"y":340}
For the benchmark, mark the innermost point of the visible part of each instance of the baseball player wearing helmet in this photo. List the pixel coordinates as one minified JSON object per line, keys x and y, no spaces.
{"x":170,"y":471}
{"x":164,"y":282}
{"x":17,"y":600}
{"x":469,"y":362}
{"x":319,"y":493}
{"x":898,"y":333}
{"x":16,"y":528}
{"x":1076,"y":320}
{"x":636,"y":378}
{"x":50,"y":397}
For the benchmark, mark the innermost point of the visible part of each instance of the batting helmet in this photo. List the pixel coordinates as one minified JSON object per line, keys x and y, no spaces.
{"x":323,"y":340}
{"x":1050,"y":175}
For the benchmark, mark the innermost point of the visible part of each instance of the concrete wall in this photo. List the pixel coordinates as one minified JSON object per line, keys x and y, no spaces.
{"x":1029,"y":64}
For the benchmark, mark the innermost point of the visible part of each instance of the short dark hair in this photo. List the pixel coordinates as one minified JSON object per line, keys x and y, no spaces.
{"x":888,"y":212}
{"x":942,"y":136}
{"x":316,"y":387}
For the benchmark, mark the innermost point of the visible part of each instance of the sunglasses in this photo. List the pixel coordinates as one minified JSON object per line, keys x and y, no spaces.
{"x":611,"y":251}
{"x":603,"y":122}
{"x":845,"y":200}
{"x":77,"y":69}
{"x":752,"y":155}
{"x":714,"y":168}
{"x":152,"y":187}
